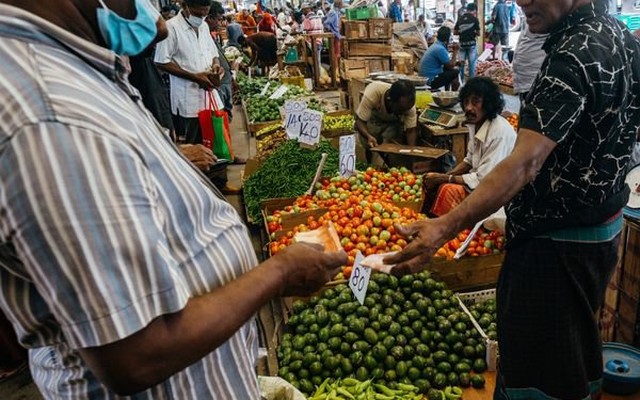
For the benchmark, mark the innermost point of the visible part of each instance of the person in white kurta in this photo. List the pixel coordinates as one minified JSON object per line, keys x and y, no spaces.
{"x":191,"y":59}
{"x":491,"y":139}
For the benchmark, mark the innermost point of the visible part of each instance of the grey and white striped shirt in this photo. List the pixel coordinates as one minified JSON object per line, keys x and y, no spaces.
{"x":104,"y":225}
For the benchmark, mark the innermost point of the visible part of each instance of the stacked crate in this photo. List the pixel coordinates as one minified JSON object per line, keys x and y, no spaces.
{"x":366,"y":48}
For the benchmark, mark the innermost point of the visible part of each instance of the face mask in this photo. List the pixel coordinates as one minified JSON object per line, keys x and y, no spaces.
{"x":129,"y":36}
{"x":193,"y":20}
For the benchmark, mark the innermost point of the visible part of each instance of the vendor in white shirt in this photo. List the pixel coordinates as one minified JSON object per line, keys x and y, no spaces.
{"x":191,"y":58}
{"x":491,"y":139}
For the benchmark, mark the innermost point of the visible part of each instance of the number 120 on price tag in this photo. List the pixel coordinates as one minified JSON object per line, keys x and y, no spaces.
{"x":359,"y":280}
{"x":347,"y":155}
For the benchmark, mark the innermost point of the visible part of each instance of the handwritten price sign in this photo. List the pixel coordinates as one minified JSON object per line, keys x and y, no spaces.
{"x":293,"y":110}
{"x":359,"y":280}
{"x":282,"y":89}
{"x":347,"y":155}
{"x":310,"y":126}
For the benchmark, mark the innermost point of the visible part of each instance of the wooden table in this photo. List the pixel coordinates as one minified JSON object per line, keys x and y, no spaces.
{"x":458,"y":135}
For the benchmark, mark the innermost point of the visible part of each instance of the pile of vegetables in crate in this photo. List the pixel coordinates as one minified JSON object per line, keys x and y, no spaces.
{"x":409,"y":337}
{"x":288,"y":172}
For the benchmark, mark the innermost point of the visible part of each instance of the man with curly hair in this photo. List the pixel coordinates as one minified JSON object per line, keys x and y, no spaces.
{"x":491,"y":139}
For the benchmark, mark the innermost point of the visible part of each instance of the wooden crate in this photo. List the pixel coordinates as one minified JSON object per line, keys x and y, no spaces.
{"x":375,"y":64}
{"x":380,"y":28}
{"x":403,"y":62}
{"x":468,"y":272}
{"x":355,"y":29}
{"x":367,"y":48}
{"x":353,"y":69}
{"x":624,"y":319}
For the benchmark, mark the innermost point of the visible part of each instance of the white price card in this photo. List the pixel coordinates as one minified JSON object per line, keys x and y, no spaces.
{"x":265,"y":88}
{"x":310,"y":127}
{"x":359,"y":280}
{"x":293,"y":110}
{"x":282,"y":89}
{"x":347,"y":155}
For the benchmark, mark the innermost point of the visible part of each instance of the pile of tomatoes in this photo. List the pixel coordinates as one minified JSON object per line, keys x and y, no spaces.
{"x":483,"y":243}
{"x":513,"y":121}
{"x":398,"y":185}
{"x":361,"y":225}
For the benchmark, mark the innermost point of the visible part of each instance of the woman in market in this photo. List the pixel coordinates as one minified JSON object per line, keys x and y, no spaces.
{"x":267,"y":23}
{"x":491,"y":139}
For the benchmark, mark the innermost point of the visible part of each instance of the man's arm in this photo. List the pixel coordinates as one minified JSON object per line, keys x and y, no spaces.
{"x":361,"y":127}
{"x":412,"y":136}
{"x":434,"y":179}
{"x":201,"y":78}
{"x":172,"y":342}
{"x":506,"y":180}
{"x":254,"y":52}
{"x":453,"y":62}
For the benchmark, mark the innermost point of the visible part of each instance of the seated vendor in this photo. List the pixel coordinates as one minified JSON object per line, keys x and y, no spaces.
{"x":436,"y":65}
{"x":491,"y":139}
{"x":387,"y":114}
{"x":264,"y":49}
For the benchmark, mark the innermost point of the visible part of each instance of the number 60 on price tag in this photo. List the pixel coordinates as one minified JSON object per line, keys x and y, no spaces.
{"x":359,"y":280}
{"x":347,"y":155}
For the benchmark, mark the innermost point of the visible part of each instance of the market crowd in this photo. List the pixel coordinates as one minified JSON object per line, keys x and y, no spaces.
{"x":126,"y":273}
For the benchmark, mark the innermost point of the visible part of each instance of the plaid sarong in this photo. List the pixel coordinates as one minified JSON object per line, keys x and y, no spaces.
{"x":547,"y":296}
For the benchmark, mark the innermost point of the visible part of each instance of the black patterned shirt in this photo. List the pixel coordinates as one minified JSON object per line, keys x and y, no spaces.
{"x":586,"y":98}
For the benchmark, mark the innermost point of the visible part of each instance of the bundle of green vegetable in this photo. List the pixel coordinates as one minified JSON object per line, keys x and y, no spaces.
{"x":288,"y":172}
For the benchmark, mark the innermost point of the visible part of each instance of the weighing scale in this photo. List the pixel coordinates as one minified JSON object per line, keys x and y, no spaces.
{"x":447,"y":117}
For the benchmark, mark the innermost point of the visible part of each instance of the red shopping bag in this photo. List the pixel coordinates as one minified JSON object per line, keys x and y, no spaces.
{"x":214,"y":124}
{"x":205,"y":118}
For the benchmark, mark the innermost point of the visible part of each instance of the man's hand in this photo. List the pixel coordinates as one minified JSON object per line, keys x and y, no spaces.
{"x":432,"y":180}
{"x":203,"y":80}
{"x":426,"y":237}
{"x":371,"y":141}
{"x":199,"y":155}
{"x":305,"y":268}
{"x":455,"y":47}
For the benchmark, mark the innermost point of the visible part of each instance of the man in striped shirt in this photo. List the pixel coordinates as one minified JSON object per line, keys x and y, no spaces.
{"x":121,"y":268}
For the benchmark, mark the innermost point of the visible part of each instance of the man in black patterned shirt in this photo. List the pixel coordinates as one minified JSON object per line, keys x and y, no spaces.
{"x":564,"y":189}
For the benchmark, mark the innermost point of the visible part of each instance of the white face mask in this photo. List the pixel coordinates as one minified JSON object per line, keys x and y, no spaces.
{"x":194,"y":21}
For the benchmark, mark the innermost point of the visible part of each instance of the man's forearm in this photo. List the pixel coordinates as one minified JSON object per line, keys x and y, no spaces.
{"x":174,"y":69}
{"x":361,"y":127}
{"x":412,"y":136}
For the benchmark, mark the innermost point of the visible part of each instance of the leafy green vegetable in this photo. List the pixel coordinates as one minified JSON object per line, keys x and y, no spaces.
{"x":288,"y":172}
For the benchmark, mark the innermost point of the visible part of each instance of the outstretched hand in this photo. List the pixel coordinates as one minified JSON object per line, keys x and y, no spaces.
{"x":425,"y":238}
{"x":306,"y":267}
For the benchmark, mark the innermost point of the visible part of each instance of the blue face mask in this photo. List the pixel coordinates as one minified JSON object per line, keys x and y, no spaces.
{"x":129,"y":36}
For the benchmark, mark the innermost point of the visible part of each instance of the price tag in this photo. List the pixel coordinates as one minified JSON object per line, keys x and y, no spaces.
{"x":359,"y":280}
{"x":293,"y":110}
{"x":282,"y":89}
{"x":310,"y":127}
{"x":347,"y":155}
{"x":265,"y":88}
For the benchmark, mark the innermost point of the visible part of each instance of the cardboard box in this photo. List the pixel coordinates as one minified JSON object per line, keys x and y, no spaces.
{"x":380,"y":28}
{"x":355,"y":29}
